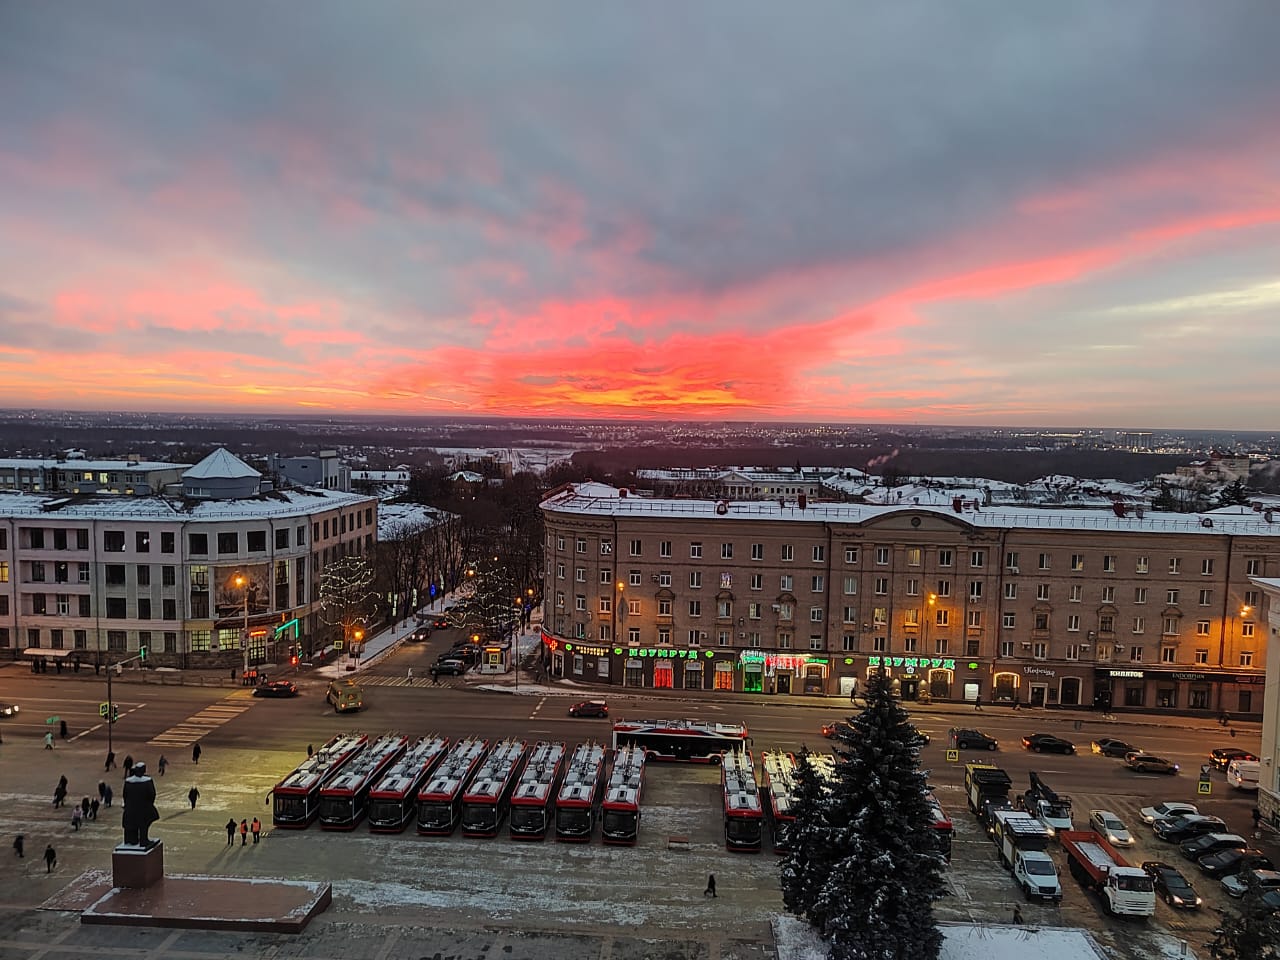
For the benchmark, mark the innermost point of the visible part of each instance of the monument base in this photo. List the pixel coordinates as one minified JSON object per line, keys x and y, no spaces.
{"x":137,"y":867}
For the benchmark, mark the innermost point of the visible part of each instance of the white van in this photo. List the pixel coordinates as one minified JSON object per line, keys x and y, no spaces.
{"x":1243,"y":774}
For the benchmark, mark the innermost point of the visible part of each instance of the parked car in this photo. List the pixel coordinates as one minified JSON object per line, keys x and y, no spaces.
{"x":1168,"y":810}
{"x":9,"y":709}
{"x":1211,"y":843}
{"x":276,"y":688}
{"x":964,"y":737}
{"x":440,"y":622}
{"x":1189,"y":827}
{"x":1047,"y":743}
{"x":1149,"y":763}
{"x":1172,"y":885}
{"x":830,"y":730}
{"x":1111,"y":747}
{"x":1227,"y":863}
{"x":448,"y":668}
{"x":589,"y":708}
{"x":1108,"y":825}
{"x":419,"y":635}
{"x":1268,"y":879}
{"x":1221,"y":757}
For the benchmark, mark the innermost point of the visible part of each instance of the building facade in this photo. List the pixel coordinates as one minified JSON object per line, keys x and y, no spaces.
{"x":1269,"y":776}
{"x":93,"y":579}
{"x":1053,"y":608}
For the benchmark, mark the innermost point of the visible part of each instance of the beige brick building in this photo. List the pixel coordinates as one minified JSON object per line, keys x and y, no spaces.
{"x":1061,"y":608}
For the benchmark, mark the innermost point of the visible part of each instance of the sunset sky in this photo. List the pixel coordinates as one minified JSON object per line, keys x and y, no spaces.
{"x":1021,"y":213}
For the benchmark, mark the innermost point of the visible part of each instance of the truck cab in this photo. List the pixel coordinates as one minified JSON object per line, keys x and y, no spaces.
{"x":1022,"y":840}
{"x":1048,"y":806}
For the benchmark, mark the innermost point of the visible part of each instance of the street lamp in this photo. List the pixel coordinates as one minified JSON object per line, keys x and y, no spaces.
{"x":242,"y":582}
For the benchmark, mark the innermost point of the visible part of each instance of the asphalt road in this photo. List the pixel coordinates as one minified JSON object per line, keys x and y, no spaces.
{"x":249,"y":743}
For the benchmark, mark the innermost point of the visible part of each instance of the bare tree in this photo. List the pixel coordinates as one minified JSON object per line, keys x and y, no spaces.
{"x":347,"y":594}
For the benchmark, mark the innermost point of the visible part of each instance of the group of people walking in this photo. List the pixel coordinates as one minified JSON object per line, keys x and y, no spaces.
{"x":246,"y":827}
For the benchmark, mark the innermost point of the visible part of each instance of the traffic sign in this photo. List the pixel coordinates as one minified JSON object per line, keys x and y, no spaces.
{"x":52,"y":720}
{"x":337,"y":644}
{"x":953,"y":756}
{"x":104,"y":709}
{"x":1204,"y":788}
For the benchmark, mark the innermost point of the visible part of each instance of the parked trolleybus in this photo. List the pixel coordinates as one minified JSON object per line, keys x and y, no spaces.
{"x":780,"y":779}
{"x":487,"y":796}
{"x":343,"y":799}
{"x":620,"y":823}
{"x":394,"y":798}
{"x":440,"y":799}
{"x":535,"y":791}
{"x":297,"y":797}
{"x":743,"y":813}
{"x":580,"y":793}
{"x":697,"y":741}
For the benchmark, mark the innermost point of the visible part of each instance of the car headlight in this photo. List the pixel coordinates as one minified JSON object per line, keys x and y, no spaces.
{"x":1176,"y":899}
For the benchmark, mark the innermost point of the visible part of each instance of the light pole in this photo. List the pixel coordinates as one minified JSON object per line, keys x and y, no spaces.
{"x":242,"y":582}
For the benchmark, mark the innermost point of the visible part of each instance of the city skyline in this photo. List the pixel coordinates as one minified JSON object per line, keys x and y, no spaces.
{"x":978,"y":215}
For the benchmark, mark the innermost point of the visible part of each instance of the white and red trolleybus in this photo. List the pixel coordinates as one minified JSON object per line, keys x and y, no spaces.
{"x":344,"y":799}
{"x":743,"y":813}
{"x":440,"y":799}
{"x":941,"y":823}
{"x":535,"y":791}
{"x":621,"y":821}
{"x":394,"y":798}
{"x":696,"y":741}
{"x":780,"y":779}
{"x":487,"y":796}
{"x":297,"y":797}
{"x":580,"y":793}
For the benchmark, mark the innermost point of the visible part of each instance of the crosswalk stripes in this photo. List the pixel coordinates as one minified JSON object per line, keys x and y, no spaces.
{"x":200,"y":724}
{"x":382,"y":680}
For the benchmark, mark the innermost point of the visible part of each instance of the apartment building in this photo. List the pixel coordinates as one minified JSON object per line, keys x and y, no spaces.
{"x":1269,"y":778}
{"x":192,"y":578}
{"x":1055,"y":608}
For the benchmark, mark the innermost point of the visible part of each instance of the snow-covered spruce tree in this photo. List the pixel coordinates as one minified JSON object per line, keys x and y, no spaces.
{"x":1251,"y":934}
{"x":877,"y":902}
{"x":804,"y":868}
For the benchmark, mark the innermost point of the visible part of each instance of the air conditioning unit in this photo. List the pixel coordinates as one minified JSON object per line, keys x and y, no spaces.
{"x":1119,"y":648}
{"x":777,"y":607}
{"x":742,"y":636}
{"x":655,"y":578}
{"x":702,"y":635}
{"x":1011,"y":569}
{"x":1084,"y":646}
{"x":1026,"y":644}
{"x":975,"y":599}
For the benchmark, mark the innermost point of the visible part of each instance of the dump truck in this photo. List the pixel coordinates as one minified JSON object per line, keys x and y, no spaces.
{"x":1125,"y":890}
{"x":985,"y":782}
{"x":1021,"y":841}
{"x":1049,"y":807}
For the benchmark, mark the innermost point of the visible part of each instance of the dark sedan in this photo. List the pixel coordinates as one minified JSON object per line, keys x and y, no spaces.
{"x":1222,"y":756}
{"x":276,"y":688}
{"x":1188,"y":828}
{"x":440,"y":622}
{"x":1148,"y":763}
{"x":1047,"y":743}
{"x":1227,"y":863}
{"x":1172,"y":885}
{"x":1111,"y":747}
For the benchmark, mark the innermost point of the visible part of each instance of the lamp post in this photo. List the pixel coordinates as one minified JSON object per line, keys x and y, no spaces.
{"x":242,"y":582}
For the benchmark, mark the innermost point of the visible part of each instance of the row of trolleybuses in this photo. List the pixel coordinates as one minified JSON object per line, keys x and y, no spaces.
{"x":541,"y":788}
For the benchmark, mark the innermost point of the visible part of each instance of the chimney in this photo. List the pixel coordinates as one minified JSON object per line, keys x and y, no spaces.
{"x":957,"y":504}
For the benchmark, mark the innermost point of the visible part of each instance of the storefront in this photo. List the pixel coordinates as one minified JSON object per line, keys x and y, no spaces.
{"x":783,"y":673}
{"x":1191,"y":691}
{"x":913,"y":676}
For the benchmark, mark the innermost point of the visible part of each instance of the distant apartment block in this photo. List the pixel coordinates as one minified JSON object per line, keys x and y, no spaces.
{"x":326,"y":470}
{"x":1052,"y":608}
{"x":74,"y":473}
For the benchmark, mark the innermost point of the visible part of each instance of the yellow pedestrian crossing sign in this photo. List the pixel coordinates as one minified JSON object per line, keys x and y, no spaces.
{"x":1204,"y":788}
{"x":953,"y":756}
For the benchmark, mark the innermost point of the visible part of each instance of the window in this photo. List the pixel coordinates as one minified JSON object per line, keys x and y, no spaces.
{"x":975,"y":591}
{"x":1168,"y":654}
{"x":914,"y":556}
{"x":1072,"y":652}
{"x":1170,"y":627}
{"x":1073,"y":623}
{"x":63,"y":605}
{"x":819,"y":553}
{"x":1246,"y":630}
{"x":1076,"y":593}
{"x":144,"y":576}
{"x":579,"y":602}
{"x":912,"y":587}
{"x":1141,"y":564}
{"x":255,"y":541}
{"x":1252,"y":567}
{"x":560,"y":599}
{"x":1206,"y":598}
{"x":1077,"y":562}
{"x":637,"y":548}
{"x":1171,"y":597}
{"x":695,"y":608}
{"x":664,"y":578}
{"x":977,"y":558}
{"x":228,"y":543}
{"x":1011,"y":562}
{"x":664,"y":607}
{"x":580,"y":544}
{"x":1108,"y":594}
{"x":114,"y":574}
{"x":788,"y":553}
{"x":850,"y":586}
{"x":942,"y":618}
{"x":198,"y":545}
{"x":881,"y":587}
{"x":785,"y":611}
{"x":973,"y":620}
{"x":817,"y":584}
{"x":1109,"y":563}
{"x":786,"y":582}
{"x":1252,"y":598}
{"x":112,"y":541}
{"x":1135,"y":654}
{"x":634,"y":578}
{"x":726,"y":551}
{"x":1011,"y":591}
{"x":580,"y":574}
{"x":757,"y":551}
{"x":848,"y":642}
{"x":909,"y":644}
{"x":560,"y":542}
{"x":1045,"y":561}
{"x":144,"y":608}
{"x":850,"y":554}
{"x":61,"y":572}
{"x":606,"y":548}
{"x":879,"y":644}
{"x":695,"y":551}
{"x":1175,"y":564}
{"x":1042,"y":591}
{"x":1246,"y":658}
{"x":664,"y":548}
{"x":850,"y":615}
{"x":695,"y":579}
{"x":1202,"y":655}
{"x":944,"y":588}
{"x":1039,"y":650}
{"x":693,"y":637}
{"x":944,"y":558}
{"x":116,"y":608}
{"x":282,"y":539}
{"x":882,"y":556}
{"x":815,"y":615}
{"x":1106,"y":623}
{"x":880,"y":616}
{"x":724,"y":609}
{"x":753,"y":611}
{"x":1009,"y":620}
{"x":1006,"y":648}
{"x":940,"y":646}
{"x":559,"y":571}
{"x":757,"y":581}
{"x":1206,"y":567}
{"x":606,"y":576}
{"x":1140,"y":595}
{"x":1139,"y":625}
{"x":1202,"y":628}
{"x":84,"y":603}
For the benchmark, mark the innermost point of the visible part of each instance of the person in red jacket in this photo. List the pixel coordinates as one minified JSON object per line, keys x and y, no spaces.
{"x":244,"y":832}
{"x":256,"y":829}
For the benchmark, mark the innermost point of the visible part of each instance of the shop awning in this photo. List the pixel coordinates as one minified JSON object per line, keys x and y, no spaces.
{"x":36,"y":653}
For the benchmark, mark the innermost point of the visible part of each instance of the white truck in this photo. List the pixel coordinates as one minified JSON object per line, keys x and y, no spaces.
{"x":1048,"y":806}
{"x":1022,"y":840}
{"x":1126,"y":890}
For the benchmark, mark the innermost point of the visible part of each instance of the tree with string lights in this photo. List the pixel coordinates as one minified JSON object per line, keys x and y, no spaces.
{"x":348,"y":596}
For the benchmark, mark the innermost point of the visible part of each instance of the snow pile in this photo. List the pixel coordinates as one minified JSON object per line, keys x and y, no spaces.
{"x":796,"y":940}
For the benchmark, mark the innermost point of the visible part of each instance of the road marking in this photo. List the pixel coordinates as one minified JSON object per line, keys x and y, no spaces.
{"x":204,"y":722}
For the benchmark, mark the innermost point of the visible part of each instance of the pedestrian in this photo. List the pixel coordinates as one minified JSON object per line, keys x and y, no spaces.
{"x":62,"y":729}
{"x":256,"y":829}
{"x":233,"y":673}
{"x":162,"y":763}
{"x":193,"y":795}
{"x":1233,"y":732}
{"x":1257,"y":822}
{"x":48,"y":740}
{"x":1017,"y":915}
{"x":76,"y":817}
{"x":18,"y":842}
{"x":128,"y":765}
{"x":107,"y":799}
{"x":59,"y":795}
{"x":1017,"y":703}
{"x":62,"y":783}
{"x":195,"y":753}
{"x":410,"y":676}
{"x":102,"y":789}
{"x":711,"y":886}
{"x":1222,"y":719}
{"x":310,"y":751}
{"x":93,"y":809}
{"x":244,"y":832}
{"x":50,"y":858}
{"x":231,"y":831}
{"x":977,"y":703}
{"x":84,"y":807}
{"x":111,"y":761}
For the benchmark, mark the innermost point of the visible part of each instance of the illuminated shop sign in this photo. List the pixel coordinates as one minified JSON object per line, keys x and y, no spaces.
{"x":589,"y":651}
{"x":914,"y":662}
{"x":669,"y":654}
{"x":778,"y":661}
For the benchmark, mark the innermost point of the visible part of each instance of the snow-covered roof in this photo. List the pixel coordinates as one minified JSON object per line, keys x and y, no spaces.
{"x":221,"y":464}
{"x":467,"y":476}
{"x":279,"y":504}
{"x":394,"y":517}
{"x":590,"y":499}
{"x":80,"y":465}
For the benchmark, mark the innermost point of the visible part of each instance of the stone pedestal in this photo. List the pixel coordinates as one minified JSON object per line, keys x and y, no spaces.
{"x":137,"y":867}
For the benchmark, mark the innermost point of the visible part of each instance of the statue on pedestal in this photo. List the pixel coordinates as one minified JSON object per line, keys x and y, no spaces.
{"x":139,"y":807}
